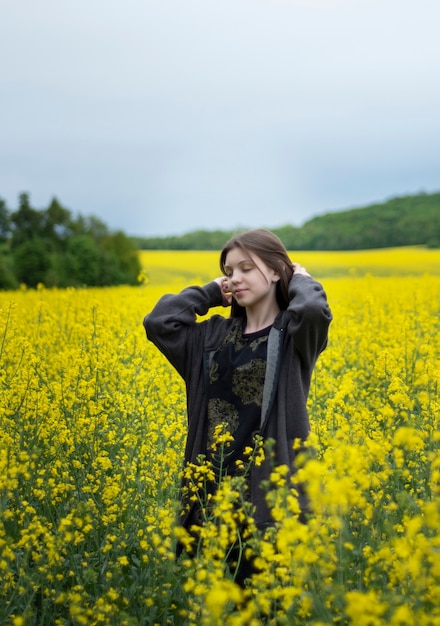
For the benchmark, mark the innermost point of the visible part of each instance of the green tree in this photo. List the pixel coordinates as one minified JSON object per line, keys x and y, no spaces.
{"x":83,"y":261}
{"x":126,"y":264}
{"x":52,"y":247}
{"x":57,"y":223}
{"x":27,"y":222}
{"x":5,"y":221}
{"x":95,"y":227}
{"x":31,"y":262}
{"x":7,"y":277}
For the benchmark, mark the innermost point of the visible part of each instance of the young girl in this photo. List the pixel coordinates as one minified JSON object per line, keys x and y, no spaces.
{"x":249,"y":372}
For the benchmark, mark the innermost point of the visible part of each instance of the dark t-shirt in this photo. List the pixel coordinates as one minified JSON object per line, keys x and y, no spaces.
{"x":236,"y":379}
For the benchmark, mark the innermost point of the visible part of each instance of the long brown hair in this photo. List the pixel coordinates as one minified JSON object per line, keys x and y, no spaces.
{"x":270,"y":249}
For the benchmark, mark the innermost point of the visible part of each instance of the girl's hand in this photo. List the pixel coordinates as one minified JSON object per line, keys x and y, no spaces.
{"x":299,"y":269}
{"x":222,"y":282}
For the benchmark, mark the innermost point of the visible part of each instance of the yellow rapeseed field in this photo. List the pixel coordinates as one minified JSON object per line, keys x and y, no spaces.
{"x":92,"y":426}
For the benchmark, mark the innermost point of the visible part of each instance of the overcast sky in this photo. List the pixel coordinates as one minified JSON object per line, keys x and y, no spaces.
{"x":164,"y":116}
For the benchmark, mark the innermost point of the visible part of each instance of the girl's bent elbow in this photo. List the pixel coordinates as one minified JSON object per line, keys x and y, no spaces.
{"x":149,"y":325}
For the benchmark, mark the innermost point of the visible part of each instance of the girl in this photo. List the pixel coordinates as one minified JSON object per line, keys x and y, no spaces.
{"x":250,"y":372}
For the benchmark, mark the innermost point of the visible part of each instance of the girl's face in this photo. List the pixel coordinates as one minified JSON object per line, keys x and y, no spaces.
{"x":250,"y":280}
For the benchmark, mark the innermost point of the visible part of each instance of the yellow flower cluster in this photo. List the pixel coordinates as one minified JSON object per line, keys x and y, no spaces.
{"x":92,"y":430}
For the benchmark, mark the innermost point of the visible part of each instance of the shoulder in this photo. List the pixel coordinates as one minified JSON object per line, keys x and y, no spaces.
{"x":303,"y":282}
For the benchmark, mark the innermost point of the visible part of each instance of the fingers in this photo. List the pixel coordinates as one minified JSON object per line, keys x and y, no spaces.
{"x":299,"y":269}
{"x":222,"y":282}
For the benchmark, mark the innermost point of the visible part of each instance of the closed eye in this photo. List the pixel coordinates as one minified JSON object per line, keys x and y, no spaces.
{"x":244,"y":266}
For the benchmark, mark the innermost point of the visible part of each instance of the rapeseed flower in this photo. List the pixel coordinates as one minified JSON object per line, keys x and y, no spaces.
{"x":92,"y":429}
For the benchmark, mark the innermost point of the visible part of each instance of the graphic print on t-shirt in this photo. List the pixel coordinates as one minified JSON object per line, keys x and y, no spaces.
{"x":236,"y":379}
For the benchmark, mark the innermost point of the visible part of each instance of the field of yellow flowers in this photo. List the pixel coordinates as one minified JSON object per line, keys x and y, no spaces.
{"x":92,"y":426}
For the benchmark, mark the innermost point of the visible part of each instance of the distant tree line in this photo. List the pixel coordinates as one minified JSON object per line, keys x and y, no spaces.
{"x":403,"y":221}
{"x":52,"y":247}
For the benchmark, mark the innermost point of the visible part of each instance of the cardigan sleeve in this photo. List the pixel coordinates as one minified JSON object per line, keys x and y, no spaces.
{"x":309,"y":317}
{"x":172,"y":326}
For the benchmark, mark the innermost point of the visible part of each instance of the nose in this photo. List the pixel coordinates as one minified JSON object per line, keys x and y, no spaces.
{"x":235,"y":277}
